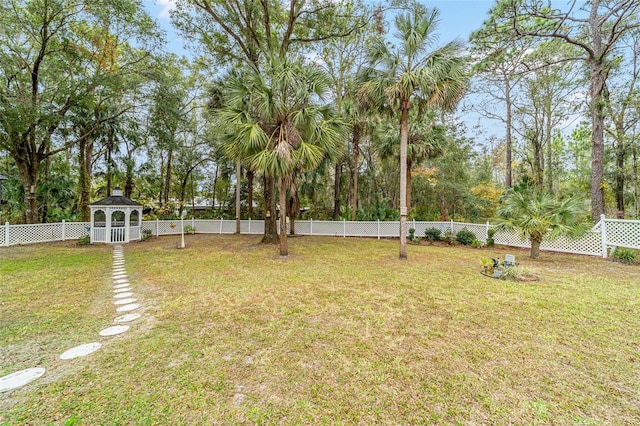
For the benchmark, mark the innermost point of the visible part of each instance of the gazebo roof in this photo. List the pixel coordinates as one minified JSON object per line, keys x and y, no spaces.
{"x":117,"y":199}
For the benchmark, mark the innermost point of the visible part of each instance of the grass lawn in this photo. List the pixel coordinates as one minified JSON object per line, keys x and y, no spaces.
{"x":341,"y":332}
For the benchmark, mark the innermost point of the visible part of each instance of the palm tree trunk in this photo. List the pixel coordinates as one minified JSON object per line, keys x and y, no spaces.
{"x":336,"y":191}
{"x":409,"y":165}
{"x":250,"y":175}
{"x":238,"y":175}
{"x":535,"y":248}
{"x":356,"y":160}
{"x":270,"y":229}
{"x":404,"y":138}
{"x":284,"y":250}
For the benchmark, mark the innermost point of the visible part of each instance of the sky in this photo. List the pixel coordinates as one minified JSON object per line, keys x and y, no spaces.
{"x":458,"y":18}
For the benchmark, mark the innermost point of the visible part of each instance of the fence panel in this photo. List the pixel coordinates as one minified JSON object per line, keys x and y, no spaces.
{"x":590,"y":243}
{"x":303,"y":227}
{"x":38,"y":233}
{"x":479,"y":230}
{"x":327,"y":227}
{"x":623,"y":233}
{"x":389,"y":229}
{"x":361,"y":229}
{"x":619,"y":233}
{"x":76,"y":230}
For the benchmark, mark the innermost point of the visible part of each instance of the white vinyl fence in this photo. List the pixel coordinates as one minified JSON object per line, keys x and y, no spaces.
{"x":607,"y":233}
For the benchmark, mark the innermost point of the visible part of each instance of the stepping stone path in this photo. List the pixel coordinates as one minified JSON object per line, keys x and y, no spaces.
{"x":122,"y":296}
{"x":82,"y":350}
{"x":20,"y":378}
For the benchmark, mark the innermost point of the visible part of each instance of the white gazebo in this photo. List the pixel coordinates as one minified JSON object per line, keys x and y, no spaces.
{"x":115,"y":219}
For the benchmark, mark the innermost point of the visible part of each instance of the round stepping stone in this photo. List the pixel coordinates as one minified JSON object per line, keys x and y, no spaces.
{"x":125,"y":301}
{"x":122,"y":290}
{"x":20,"y":378}
{"x":112,"y":331}
{"x":127,"y":318}
{"x":122,"y":285}
{"x":123,"y":295}
{"x":127,"y":308}
{"x":82,"y":350}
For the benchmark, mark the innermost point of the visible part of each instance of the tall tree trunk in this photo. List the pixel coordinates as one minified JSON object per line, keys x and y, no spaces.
{"x":634,"y":152}
{"x":284,"y":250}
{"x":238,"y":179}
{"x":28,"y":163}
{"x":109,"y":164}
{"x":336,"y":191}
{"x":508,"y":177}
{"x":84,"y":179}
{"x":549,"y":140}
{"x":167,"y":184}
{"x":597,"y":81}
{"x":270,"y":227}
{"x":45,"y":204}
{"x":29,"y":177}
{"x":129,"y":184}
{"x":356,"y":169}
{"x":404,"y":139}
{"x":538,"y":174}
{"x":620,"y":156}
{"x":250,"y":175}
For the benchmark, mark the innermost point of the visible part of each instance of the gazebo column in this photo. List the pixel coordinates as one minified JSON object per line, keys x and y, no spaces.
{"x":107,"y":225}
{"x":127,"y":222}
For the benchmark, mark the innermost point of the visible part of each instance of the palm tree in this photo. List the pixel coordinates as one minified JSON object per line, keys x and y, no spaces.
{"x":275,"y":120}
{"x":410,"y":74}
{"x":536,"y":215}
{"x":425,"y":141}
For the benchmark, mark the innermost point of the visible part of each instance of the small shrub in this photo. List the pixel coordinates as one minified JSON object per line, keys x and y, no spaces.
{"x":465,"y":237}
{"x":448,"y":236}
{"x":510,"y":273}
{"x":190,"y":229}
{"x":625,"y":255}
{"x":412,"y":234}
{"x":477,"y":244}
{"x":432,"y":234}
{"x":490,"y":241}
{"x":84,"y":240}
{"x":146,"y":234}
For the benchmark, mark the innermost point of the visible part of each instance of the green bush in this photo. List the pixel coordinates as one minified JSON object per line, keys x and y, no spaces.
{"x":477,"y":244}
{"x":432,"y":234}
{"x":190,"y":229}
{"x":490,"y":241}
{"x":84,"y":240}
{"x":465,"y":237}
{"x":625,"y":255}
{"x":412,"y":234}
{"x":146,"y":234}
